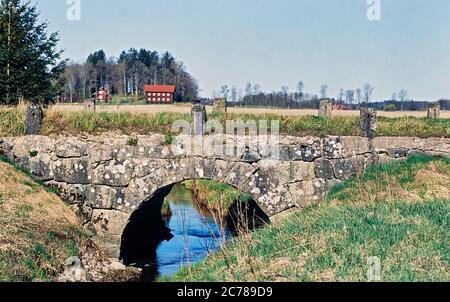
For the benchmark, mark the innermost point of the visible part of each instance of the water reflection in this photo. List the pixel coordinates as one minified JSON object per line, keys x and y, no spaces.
{"x":162,"y":245}
{"x":195,"y":236}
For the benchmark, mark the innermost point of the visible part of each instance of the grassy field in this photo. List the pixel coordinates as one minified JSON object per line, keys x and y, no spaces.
{"x":12,"y":123}
{"x":38,"y":232}
{"x":119,"y":105}
{"x":398,"y":212}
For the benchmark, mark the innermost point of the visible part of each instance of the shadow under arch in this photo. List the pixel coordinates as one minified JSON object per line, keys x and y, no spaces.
{"x":245,"y":216}
{"x":147,"y":229}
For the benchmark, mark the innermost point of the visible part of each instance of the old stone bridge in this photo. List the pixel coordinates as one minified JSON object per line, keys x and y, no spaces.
{"x":106,"y":178}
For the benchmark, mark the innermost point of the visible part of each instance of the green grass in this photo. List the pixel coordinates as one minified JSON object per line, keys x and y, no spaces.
{"x":12,"y":123}
{"x":133,"y":141}
{"x":35,"y":184}
{"x":168,"y":139}
{"x":85,"y":122}
{"x":166,"y":209}
{"x":71,"y":248}
{"x":215,"y":195}
{"x":125,"y":101}
{"x":24,"y":211}
{"x":40,"y":261}
{"x":37,"y":230}
{"x":368,"y":216}
{"x":410,"y":126}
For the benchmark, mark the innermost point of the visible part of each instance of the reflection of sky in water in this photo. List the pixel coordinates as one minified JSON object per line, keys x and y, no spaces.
{"x":192,"y":240}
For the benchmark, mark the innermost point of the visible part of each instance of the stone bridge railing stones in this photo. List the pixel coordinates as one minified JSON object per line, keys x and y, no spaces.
{"x":104,"y":180}
{"x":33,"y":119}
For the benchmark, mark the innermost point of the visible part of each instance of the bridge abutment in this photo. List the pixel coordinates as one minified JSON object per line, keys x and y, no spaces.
{"x":105,"y":179}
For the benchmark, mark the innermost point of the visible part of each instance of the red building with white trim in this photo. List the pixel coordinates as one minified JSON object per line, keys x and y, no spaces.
{"x":159,"y":94}
{"x":101,"y":95}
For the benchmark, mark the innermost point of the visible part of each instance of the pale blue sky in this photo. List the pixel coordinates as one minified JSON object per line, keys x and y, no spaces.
{"x":275,"y":42}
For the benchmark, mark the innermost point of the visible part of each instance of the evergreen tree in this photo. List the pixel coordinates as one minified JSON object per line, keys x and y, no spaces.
{"x":30,"y":63}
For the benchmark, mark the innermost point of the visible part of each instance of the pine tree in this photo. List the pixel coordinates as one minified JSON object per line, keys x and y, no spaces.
{"x":30,"y":63}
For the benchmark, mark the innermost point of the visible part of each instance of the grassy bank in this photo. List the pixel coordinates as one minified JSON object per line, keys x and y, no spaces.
{"x":12,"y":123}
{"x":38,"y":232}
{"x":208,"y":195}
{"x":215,"y":196}
{"x":398,"y":212}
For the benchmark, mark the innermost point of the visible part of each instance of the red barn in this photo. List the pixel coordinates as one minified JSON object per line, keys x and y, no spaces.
{"x":162,"y":94}
{"x":101,"y":95}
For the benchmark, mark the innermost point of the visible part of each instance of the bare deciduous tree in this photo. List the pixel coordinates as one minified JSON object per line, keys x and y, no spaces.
{"x":367,"y":92}
{"x":403,"y":96}
{"x":340,"y":96}
{"x":359,"y":95}
{"x":323,"y":91}
{"x":234,"y":94}
{"x":224,"y":91}
{"x":350,"y":96}
{"x":300,"y":90}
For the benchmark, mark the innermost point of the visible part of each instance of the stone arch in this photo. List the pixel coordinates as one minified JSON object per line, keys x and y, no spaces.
{"x":145,"y":229}
{"x":240,"y":175}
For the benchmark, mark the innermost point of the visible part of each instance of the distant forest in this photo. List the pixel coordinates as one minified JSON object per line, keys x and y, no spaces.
{"x":253,"y":96}
{"x":127,"y":75}
{"x":275,"y":100}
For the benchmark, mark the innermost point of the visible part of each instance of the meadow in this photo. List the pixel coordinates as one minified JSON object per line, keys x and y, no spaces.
{"x":140,"y":107}
{"x":38,"y":232}
{"x":397,"y":213}
{"x":56,"y":121}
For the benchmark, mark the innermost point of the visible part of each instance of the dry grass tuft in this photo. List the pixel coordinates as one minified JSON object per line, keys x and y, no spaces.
{"x":37,"y":230}
{"x":146,"y":119}
{"x":435,"y":182}
{"x":425,"y":181}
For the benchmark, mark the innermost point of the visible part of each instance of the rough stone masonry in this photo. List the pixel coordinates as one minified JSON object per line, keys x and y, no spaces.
{"x":104,"y":179}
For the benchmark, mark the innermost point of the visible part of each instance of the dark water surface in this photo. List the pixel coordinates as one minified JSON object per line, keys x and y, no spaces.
{"x":162,"y":245}
{"x":188,"y":237}
{"x":195,"y":236}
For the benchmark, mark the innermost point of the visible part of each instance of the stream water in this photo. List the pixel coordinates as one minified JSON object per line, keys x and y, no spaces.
{"x":195,"y":236}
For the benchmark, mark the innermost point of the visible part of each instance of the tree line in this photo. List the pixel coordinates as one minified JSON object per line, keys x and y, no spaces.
{"x":253,"y":95}
{"x":127,"y":75}
{"x":33,"y":69}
